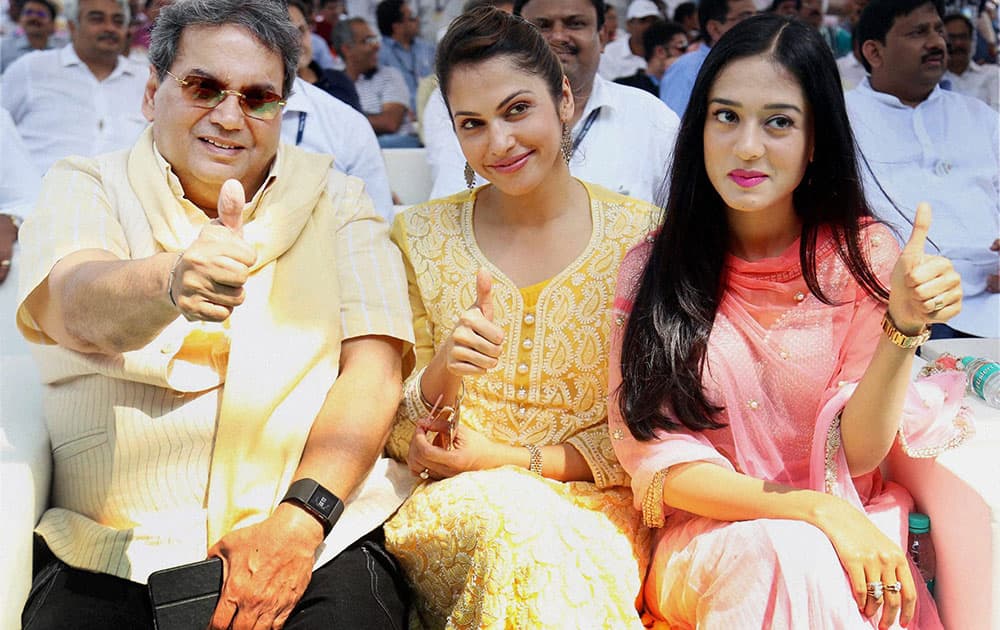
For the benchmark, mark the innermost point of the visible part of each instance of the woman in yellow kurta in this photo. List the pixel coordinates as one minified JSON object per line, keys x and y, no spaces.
{"x":523,"y":520}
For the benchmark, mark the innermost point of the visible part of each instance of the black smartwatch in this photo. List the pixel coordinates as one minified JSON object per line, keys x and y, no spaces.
{"x":317,"y":500}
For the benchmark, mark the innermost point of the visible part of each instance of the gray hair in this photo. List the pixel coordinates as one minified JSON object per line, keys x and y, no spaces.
{"x":343,"y":33}
{"x":266,"y":20}
{"x":71,"y":10}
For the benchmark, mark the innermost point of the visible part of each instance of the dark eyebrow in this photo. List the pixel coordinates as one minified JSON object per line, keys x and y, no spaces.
{"x":501,"y":105}
{"x":725,"y":101}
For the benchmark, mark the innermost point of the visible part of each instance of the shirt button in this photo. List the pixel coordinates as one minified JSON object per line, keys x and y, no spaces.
{"x":529,"y":319}
{"x":800,"y":296}
{"x":528,"y":344}
{"x":522,"y":368}
{"x":753,"y":404}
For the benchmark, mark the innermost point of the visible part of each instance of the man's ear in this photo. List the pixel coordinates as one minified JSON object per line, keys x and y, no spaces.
{"x":872,"y":51}
{"x":714,"y":28}
{"x":149,"y":94}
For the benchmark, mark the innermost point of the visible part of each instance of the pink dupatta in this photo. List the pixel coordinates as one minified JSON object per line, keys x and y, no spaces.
{"x":783,"y":364}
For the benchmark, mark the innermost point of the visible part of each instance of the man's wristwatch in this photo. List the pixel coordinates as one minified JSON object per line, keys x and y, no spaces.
{"x":324,"y":505}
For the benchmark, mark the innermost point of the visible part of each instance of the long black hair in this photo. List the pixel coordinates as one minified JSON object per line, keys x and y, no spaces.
{"x":663,"y":351}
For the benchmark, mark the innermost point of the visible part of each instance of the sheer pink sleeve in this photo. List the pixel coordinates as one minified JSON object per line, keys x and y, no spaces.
{"x":646,"y":462}
{"x":933,"y":418}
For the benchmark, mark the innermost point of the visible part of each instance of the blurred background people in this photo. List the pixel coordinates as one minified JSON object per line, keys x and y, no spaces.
{"x":36,"y":25}
{"x":663,"y":43}
{"x":964,"y":75}
{"x":385,"y":99}
{"x":84,"y":98}
{"x":624,"y":56}
{"x":401,"y":48}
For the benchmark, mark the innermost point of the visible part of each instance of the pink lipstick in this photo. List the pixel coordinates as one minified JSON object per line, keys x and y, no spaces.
{"x":513,"y":164}
{"x":747,"y":179}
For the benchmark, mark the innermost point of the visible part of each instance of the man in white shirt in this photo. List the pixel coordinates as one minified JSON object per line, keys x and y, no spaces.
{"x":382,"y":89}
{"x":923,"y":143}
{"x":624,"y":56}
{"x":36,"y":25}
{"x":84,"y":98}
{"x":622,"y":138}
{"x":965,"y":75}
{"x":315,"y":121}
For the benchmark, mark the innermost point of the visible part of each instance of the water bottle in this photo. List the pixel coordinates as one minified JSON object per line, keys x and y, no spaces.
{"x":984,"y":378}
{"x":922,"y":549}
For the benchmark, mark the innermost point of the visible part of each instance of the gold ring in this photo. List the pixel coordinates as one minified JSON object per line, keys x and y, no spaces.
{"x":425,"y":474}
{"x":938,"y":304}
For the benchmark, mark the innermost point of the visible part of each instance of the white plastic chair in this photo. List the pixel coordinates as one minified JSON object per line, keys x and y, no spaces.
{"x":409,"y":174}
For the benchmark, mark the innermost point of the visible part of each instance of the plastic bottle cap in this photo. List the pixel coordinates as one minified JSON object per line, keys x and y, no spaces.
{"x":919,"y":523}
{"x":964,"y":361}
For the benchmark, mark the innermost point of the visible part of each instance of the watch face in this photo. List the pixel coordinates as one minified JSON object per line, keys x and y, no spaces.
{"x":323,"y":502}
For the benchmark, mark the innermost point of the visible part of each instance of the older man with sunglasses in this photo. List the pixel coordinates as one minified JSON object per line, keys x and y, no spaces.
{"x":220,"y":374}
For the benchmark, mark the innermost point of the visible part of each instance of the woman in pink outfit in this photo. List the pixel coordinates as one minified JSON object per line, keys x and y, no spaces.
{"x":760,"y":370}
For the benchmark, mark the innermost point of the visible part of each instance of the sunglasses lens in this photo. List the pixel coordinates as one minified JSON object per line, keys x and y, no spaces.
{"x":203,"y":92}
{"x":208,"y":93}
{"x":261,"y":104}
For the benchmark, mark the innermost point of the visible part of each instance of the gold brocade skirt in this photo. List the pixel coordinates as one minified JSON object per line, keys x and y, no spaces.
{"x":506,"y":548}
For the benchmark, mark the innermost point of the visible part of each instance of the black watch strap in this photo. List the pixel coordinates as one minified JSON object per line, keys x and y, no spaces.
{"x":317,"y":500}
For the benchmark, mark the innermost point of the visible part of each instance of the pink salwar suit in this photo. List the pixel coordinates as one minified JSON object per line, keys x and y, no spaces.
{"x":783,"y":364}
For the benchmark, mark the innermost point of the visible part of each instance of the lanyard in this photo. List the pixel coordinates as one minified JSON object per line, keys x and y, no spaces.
{"x":583,"y":131}
{"x":302,"y":128}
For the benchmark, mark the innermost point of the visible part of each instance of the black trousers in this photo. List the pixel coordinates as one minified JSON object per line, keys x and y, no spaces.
{"x":360,"y":589}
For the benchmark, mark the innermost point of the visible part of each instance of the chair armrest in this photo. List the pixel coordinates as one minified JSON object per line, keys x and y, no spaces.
{"x":25,"y":473}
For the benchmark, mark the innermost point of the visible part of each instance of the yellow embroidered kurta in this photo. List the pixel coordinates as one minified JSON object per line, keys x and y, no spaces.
{"x":506,"y":548}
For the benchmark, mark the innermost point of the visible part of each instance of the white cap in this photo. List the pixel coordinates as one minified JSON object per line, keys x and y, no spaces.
{"x":640,"y":9}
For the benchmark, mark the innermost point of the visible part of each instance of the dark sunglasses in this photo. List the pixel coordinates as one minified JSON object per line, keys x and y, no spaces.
{"x":207,"y":93}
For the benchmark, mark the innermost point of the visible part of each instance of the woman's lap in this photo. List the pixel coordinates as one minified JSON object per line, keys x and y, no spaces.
{"x":505,"y":546}
{"x":752,"y":574}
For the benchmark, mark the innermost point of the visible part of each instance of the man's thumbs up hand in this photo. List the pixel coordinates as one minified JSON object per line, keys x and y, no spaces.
{"x":208,"y":279}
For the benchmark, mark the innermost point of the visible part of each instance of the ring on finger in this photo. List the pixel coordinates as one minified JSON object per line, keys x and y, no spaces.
{"x":425,"y":474}
{"x":938,"y":304}
{"x":875,"y":590}
{"x":894,"y":588}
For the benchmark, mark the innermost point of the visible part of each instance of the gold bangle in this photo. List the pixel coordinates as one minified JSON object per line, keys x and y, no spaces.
{"x":534,"y":458}
{"x":905,"y":342}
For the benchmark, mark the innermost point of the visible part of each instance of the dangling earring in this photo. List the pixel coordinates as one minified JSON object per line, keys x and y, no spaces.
{"x":470,"y":176}
{"x":566,"y":145}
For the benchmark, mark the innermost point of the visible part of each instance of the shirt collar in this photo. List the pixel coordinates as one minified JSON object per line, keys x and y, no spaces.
{"x":298,"y":101}
{"x":68,"y":57}
{"x":600,"y":96}
{"x":891,"y":100}
{"x":193,"y":211}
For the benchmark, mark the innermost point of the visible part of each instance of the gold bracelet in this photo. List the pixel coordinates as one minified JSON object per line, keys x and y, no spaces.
{"x":534,"y":459}
{"x":905,"y":342}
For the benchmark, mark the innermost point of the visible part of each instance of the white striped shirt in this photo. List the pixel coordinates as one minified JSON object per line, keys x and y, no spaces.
{"x":132,"y":434}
